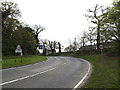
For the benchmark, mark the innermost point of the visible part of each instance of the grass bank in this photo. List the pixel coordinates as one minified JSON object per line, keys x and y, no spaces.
{"x":104,"y":75}
{"x":8,"y":62}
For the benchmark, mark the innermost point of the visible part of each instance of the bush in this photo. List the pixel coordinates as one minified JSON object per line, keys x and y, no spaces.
{"x":113,"y":51}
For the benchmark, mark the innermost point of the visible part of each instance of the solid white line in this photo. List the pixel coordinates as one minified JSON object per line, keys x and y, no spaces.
{"x":80,"y":82}
{"x":27,"y":76}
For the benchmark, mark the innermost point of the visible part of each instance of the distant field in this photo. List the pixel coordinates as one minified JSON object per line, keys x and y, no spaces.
{"x":8,"y":62}
{"x":104,"y":75}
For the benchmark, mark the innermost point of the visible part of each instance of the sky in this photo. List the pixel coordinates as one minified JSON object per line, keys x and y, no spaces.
{"x":63,"y":19}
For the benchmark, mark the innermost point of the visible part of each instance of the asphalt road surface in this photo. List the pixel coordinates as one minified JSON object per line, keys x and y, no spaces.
{"x":56,"y":72}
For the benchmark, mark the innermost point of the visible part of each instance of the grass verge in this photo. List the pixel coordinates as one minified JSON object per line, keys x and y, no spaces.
{"x":104,"y":75}
{"x":8,"y":62}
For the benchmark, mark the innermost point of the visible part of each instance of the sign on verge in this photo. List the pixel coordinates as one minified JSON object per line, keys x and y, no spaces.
{"x":40,"y":46}
{"x":18,"y":49}
{"x":101,"y":46}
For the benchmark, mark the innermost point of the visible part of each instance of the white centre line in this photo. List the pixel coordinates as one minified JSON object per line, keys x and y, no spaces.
{"x":27,"y":76}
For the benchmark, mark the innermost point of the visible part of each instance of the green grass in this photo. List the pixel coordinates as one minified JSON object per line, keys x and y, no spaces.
{"x":104,"y":75}
{"x":8,"y":62}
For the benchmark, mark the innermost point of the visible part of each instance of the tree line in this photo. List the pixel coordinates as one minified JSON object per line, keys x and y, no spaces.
{"x":16,"y":33}
{"x":106,"y":28}
{"x":50,"y":47}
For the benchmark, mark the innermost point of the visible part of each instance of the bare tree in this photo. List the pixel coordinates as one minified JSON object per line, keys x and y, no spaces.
{"x":97,"y":17}
{"x":37,"y":30}
{"x":59,"y":47}
{"x":51,"y":45}
{"x":91,"y":35}
{"x":75,"y":44}
{"x":70,"y":45}
{"x":84,"y":39}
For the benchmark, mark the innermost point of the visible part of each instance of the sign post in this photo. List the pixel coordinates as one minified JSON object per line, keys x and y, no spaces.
{"x":101,"y":48}
{"x":41,"y":48}
{"x":18,"y":50}
{"x":21,"y":57}
{"x":15,"y":57}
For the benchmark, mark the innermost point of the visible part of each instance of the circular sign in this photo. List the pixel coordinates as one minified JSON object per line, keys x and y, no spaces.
{"x":18,"y":47}
{"x":101,"y":46}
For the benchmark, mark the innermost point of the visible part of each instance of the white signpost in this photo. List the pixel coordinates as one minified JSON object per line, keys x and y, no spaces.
{"x":19,"y":50}
{"x":101,"y":48}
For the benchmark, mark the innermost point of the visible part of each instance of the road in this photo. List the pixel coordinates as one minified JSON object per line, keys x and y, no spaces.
{"x":56,"y":72}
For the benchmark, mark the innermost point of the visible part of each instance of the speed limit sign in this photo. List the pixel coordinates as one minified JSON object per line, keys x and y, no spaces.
{"x":101,"y":47}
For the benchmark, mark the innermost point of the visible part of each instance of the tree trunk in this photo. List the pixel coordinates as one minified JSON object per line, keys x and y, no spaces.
{"x":59,"y":47}
{"x":98,"y":35}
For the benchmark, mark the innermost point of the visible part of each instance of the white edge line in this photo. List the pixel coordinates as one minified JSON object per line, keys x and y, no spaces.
{"x":80,"y":82}
{"x":47,"y":71}
{"x":27,"y":76}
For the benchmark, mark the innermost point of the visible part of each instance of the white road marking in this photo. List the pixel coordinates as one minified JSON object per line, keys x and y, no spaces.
{"x":80,"y":82}
{"x":63,"y":63}
{"x":76,"y":86}
{"x":27,"y":76}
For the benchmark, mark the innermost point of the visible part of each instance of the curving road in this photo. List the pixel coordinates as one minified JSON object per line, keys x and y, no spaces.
{"x":56,"y":72}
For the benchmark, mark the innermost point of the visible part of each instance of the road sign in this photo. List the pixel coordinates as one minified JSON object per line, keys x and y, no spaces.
{"x":101,"y":47}
{"x":40,"y":46}
{"x":18,"y":49}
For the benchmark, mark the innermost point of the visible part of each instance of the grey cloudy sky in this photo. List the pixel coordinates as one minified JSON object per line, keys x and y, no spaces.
{"x":63,"y":19}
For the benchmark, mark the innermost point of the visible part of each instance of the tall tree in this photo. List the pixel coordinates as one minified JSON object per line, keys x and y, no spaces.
{"x":37,"y":30}
{"x":10,"y":13}
{"x":13,"y":32}
{"x":9,"y":9}
{"x":75,"y":44}
{"x":24,"y":38}
{"x":114,"y":24}
{"x":91,"y":35}
{"x":97,"y":18}
{"x":114,"y":21}
{"x":83,"y":39}
{"x":59,"y":47}
{"x":72,"y":46}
